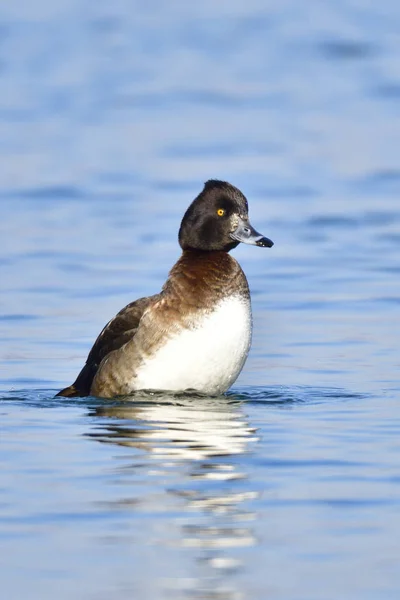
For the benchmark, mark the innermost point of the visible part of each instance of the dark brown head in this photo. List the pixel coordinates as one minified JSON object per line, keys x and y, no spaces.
{"x":218,"y":220}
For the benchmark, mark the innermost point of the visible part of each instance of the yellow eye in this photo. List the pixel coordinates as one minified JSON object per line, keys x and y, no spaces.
{"x":220,"y":212}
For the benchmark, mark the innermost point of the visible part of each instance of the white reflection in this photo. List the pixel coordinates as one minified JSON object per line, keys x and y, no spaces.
{"x":184,"y":427}
{"x":189,"y":442}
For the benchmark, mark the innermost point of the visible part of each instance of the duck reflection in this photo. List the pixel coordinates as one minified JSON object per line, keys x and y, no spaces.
{"x":182,"y":427}
{"x":192,"y":445}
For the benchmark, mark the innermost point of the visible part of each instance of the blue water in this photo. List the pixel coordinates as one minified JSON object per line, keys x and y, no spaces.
{"x":112,"y":115}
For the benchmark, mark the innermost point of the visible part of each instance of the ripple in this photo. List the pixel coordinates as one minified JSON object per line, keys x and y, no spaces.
{"x":294,"y":395}
{"x":336,"y":221}
{"x":388,"y":91}
{"x":347,"y":50}
{"x":57,"y":192}
{"x":121,"y":407}
{"x":383,"y":180}
{"x":17,"y":317}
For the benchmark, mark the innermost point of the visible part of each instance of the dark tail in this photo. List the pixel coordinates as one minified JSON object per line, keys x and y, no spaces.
{"x":82,"y":384}
{"x":70,"y":392}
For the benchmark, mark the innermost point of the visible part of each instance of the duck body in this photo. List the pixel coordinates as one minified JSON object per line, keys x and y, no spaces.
{"x":196,"y":333}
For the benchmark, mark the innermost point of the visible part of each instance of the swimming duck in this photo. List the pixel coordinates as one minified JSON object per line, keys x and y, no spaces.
{"x":196,"y":333}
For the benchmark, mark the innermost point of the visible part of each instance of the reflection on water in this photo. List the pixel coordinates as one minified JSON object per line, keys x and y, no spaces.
{"x":182,"y":427}
{"x":197,"y":438}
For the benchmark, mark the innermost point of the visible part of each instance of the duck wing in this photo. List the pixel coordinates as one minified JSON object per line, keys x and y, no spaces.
{"x":120,"y":330}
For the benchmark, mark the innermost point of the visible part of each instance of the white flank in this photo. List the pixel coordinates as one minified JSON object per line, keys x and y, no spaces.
{"x":207,"y":358}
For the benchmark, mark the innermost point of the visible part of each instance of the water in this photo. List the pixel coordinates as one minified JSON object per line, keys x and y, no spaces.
{"x":111,"y":117}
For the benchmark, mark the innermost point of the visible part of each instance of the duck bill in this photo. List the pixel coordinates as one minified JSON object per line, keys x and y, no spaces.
{"x":245,"y":233}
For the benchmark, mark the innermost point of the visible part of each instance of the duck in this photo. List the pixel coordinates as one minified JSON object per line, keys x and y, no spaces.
{"x":195,"y":335}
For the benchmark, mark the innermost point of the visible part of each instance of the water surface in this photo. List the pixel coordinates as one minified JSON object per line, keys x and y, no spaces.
{"x":111,"y":118}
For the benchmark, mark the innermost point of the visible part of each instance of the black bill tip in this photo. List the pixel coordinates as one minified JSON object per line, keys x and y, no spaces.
{"x":264,"y":242}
